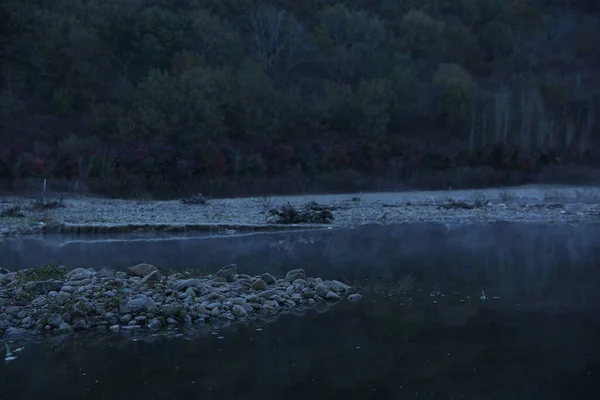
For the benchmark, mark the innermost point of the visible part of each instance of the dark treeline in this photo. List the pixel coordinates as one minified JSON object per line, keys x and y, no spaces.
{"x":162,"y":95}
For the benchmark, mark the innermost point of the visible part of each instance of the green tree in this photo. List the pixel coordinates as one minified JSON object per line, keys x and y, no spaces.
{"x":350,"y":38}
{"x":421,"y":34}
{"x":217,"y":40}
{"x":183,"y":108}
{"x":277,"y":39}
{"x":456,"y":90}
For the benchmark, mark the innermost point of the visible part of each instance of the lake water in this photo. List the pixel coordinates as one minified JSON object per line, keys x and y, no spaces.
{"x":505,"y":311}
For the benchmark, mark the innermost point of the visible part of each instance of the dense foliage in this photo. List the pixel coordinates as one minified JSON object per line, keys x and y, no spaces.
{"x":158,"y":94}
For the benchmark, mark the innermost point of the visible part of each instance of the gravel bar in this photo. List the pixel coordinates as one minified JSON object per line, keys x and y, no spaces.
{"x":533,"y":203}
{"x":53,"y":300}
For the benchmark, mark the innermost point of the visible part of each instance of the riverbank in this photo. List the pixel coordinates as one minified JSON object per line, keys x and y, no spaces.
{"x":70,"y":214}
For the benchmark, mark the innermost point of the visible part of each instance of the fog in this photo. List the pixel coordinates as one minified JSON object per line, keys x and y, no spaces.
{"x":538,"y":263}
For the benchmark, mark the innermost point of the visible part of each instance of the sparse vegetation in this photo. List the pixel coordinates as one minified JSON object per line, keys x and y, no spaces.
{"x":43,"y":273}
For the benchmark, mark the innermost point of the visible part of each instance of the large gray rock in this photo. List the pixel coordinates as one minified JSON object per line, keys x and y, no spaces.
{"x":141,"y":270}
{"x":105,"y":273}
{"x":228,"y":272}
{"x":238,"y":311}
{"x":139,"y":303}
{"x":13,"y":332}
{"x":154,"y":324}
{"x":355,"y":297}
{"x":322,"y":289}
{"x":79,"y":274}
{"x":268,"y":278}
{"x":259,"y":284}
{"x":187,"y":283}
{"x":295,"y":274}
{"x":153,"y":276}
{"x":55,"y":320}
{"x":171,"y":310}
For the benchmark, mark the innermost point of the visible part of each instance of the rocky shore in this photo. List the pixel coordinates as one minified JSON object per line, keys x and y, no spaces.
{"x":79,"y":214}
{"x":55,"y":300}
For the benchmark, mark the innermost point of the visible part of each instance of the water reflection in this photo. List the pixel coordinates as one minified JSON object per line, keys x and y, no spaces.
{"x":379,"y":348}
{"x":541,"y":264}
{"x":495,"y":312}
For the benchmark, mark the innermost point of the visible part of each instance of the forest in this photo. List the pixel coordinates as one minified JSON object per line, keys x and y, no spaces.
{"x":245,"y":97}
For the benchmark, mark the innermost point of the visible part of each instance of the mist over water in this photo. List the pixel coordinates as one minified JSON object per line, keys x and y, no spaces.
{"x":495,"y":312}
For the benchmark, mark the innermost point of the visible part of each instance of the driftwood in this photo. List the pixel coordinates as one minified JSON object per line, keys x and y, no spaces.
{"x":311,"y":213}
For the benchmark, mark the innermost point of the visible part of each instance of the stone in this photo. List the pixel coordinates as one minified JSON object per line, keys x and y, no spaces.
{"x":201,"y":310}
{"x":142,"y":270}
{"x":239,"y":311}
{"x":64,"y":327}
{"x":338,"y":286}
{"x":170,"y":310}
{"x":153,"y":276}
{"x":80,"y":325}
{"x":260,"y":284}
{"x":43,"y":287}
{"x":154,"y":324}
{"x":105,"y":273}
{"x":268,"y":278}
{"x":12,"y":310}
{"x":228,"y":272}
{"x":54,"y":321}
{"x":332,"y":296}
{"x":138,"y":303}
{"x":322,"y":290}
{"x":295,"y":274}
{"x":187,"y":283}
{"x":355,"y":297}
{"x":2,"y":302}
{"x":125,"y":318}
{"x":14,"y":332}
{"x":268,"y":293}
{"x":79,"y":274}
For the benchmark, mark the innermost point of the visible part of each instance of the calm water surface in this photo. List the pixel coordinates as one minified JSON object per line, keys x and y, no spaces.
{"x":496,"y":312}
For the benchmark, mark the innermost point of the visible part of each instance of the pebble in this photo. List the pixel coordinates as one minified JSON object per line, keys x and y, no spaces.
{"x":355,"y":297}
